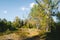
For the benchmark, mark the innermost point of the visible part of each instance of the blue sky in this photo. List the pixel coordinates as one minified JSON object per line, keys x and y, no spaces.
{"x":9,"y":9}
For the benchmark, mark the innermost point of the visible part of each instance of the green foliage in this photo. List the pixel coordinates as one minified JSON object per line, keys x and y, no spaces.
{"x":16,"y":22}
{"x":58,"y":16}
{"x":39,"y":18}
{"x":49,"y":6}
{"x":6,"y":26}
{"x":3,"y":25}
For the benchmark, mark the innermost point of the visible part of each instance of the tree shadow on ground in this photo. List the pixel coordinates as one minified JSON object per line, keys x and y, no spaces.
{"x":33,"y":38}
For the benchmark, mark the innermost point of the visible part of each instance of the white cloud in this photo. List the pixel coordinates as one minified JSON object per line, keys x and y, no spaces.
{"x":23,"y":8}
{"x":5,"y":11}
{"x":32,"y":4}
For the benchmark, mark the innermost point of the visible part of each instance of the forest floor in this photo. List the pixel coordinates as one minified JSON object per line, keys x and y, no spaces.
{"x":21,"y":34}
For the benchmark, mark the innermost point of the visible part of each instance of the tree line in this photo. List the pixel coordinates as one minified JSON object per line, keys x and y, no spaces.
{"x":15,"y":25}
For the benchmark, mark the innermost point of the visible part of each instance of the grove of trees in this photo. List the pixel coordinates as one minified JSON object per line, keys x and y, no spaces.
{"x":40,"y":17}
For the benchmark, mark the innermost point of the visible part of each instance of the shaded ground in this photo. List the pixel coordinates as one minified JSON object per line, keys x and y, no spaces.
{"x":33,"y":38}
